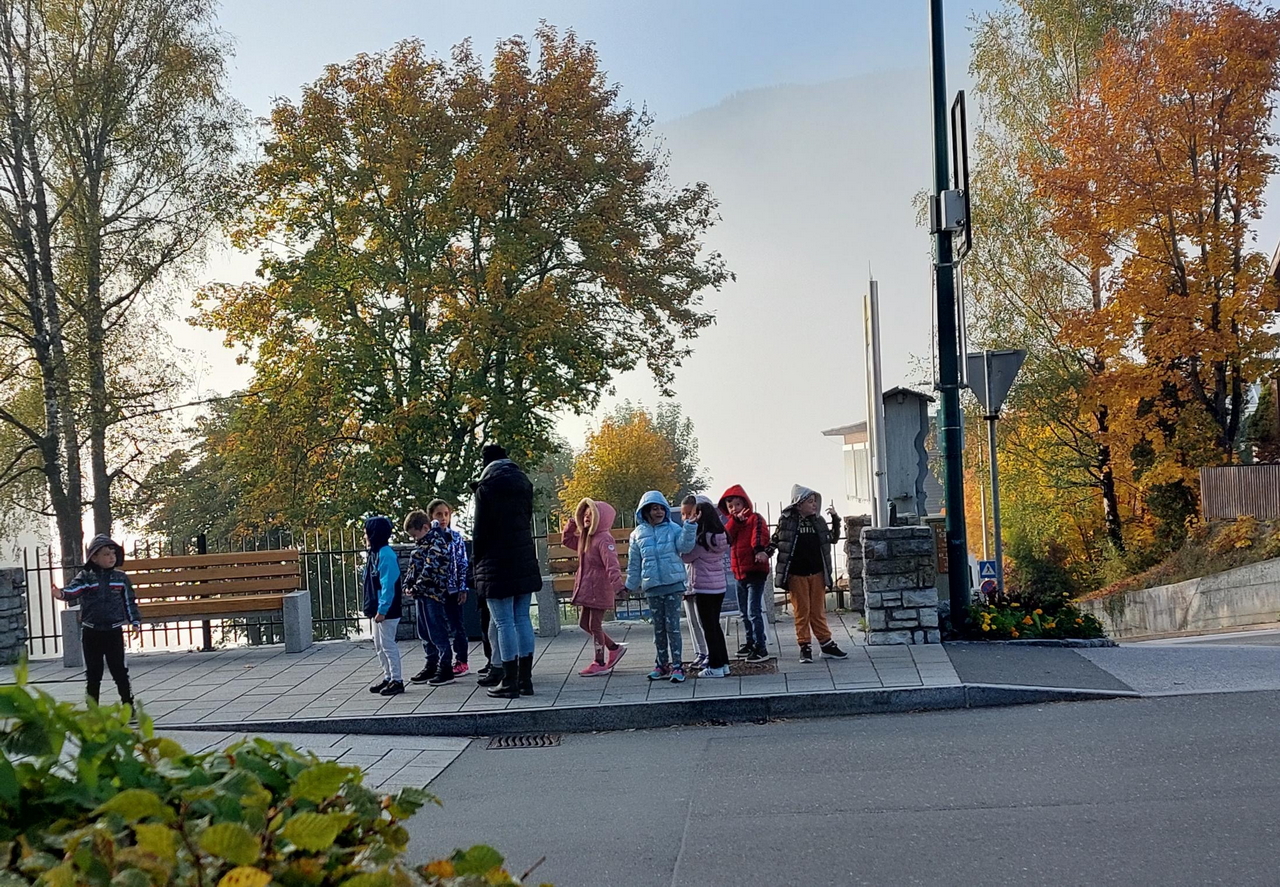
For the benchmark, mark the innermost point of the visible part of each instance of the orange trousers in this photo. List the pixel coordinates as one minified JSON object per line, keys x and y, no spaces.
{"x":809,"y":604}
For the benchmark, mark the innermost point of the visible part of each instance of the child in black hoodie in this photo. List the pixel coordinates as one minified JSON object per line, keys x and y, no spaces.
{"x":107,"y":605}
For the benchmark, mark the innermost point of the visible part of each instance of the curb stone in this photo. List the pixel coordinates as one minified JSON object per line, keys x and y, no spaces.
{"x":684,"y":712}
{"x":1078,"y":643}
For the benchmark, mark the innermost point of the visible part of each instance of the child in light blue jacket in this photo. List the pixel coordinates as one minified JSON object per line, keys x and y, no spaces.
{"x":654,"y":567}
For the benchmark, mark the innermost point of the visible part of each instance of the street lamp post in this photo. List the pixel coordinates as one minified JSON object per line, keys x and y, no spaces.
{"x":949,"y":416}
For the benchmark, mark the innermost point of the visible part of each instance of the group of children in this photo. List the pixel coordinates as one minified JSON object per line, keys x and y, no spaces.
{"x":681,"y":560}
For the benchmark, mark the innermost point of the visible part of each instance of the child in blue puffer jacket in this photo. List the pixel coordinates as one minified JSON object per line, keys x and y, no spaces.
{"x":654,"y":567}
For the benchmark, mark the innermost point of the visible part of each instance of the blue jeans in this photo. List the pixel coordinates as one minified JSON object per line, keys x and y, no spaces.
{"x":438,"y":629}
{"x":458,"y":631}
{"x":423,"y":626}
{"x":664,"y":609}
{"x":515,"y":628}
{"x":751,"y":606}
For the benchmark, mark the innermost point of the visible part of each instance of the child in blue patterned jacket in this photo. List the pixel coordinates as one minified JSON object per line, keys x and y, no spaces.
{"x":654,"y":567}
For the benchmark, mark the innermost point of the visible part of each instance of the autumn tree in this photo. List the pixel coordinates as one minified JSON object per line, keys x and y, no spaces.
{"x":1030,"y":57}
{"x":622,"y":460}
{"x":1161,"y":165}
{"x":116,"y":138}
{"x":669,"y":421}
{"x":452,"y":255}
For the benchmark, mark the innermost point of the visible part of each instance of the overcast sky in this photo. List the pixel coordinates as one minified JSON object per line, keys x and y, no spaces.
{"x":810,"y":121}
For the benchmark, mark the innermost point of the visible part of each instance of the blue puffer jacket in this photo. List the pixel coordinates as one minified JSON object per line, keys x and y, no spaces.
{"x":654,"y":558}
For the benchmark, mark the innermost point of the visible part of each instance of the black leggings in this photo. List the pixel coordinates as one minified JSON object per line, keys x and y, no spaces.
{"x":484,"y":628}
{"x":709,"y":615}
{"x":108,"y":646}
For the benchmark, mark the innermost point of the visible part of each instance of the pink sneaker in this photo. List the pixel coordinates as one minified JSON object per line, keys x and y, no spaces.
{"x":460,"y":669}
{"x":595,"y":668}
{"x":615,"y":655}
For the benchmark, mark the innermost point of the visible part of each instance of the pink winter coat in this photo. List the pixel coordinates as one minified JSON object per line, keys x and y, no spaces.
{"x":599,"y":576}
{"x":706,"y":566}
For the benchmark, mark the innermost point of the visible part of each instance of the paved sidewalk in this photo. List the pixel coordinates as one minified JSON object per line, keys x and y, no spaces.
{"x":389,"y":763}
{"x":246,"y":684}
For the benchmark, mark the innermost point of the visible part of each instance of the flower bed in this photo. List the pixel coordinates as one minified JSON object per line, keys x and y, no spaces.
{"x":1012,"y":615}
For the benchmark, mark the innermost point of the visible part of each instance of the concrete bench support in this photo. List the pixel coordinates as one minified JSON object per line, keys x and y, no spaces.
{"x":297,"y":621}
{"x":72,"y":649}
{"x":548,"y":609}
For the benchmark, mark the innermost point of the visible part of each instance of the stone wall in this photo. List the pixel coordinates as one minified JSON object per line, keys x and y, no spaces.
{"x":853,"y":527}
{"x":899,"y":580}
{"x":13,"y":615}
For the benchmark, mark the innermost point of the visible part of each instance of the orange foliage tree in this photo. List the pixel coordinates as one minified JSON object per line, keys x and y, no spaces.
{"x":623,"y":459}
{"x":1157,"y":174}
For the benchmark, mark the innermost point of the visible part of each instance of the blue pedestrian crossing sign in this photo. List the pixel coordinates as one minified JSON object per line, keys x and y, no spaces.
{"x":986,"y":569}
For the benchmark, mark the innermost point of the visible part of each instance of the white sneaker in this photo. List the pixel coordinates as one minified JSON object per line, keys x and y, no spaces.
{"x":721,"y":672}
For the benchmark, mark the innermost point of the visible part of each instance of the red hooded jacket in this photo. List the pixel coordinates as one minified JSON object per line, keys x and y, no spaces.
{"x":747,"y":536}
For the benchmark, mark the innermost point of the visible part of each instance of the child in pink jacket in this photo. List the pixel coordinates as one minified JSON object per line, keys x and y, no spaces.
{"x":599,"y":577}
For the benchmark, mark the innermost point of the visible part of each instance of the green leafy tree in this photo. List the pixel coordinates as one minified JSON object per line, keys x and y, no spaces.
{"x":451,"y":255}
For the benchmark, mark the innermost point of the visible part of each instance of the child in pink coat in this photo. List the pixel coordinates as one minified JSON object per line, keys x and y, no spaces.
{"x":598,"y":580}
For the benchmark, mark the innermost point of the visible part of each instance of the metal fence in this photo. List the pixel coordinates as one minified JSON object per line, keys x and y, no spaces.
{"x":1233,"y":490}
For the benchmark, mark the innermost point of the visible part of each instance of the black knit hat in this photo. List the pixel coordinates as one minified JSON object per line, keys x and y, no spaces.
{"x":492,"y":453}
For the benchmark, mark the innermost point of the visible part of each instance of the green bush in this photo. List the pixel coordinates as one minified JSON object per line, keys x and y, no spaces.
{"x":89,"y":800}
{"x":1012,"y":616}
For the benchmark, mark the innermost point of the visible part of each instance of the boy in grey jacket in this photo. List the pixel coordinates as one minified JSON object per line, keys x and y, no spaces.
{"x":105,"y":597}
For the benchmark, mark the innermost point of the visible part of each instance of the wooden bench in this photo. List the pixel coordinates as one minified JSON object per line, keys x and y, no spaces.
{"x":193,"y":588}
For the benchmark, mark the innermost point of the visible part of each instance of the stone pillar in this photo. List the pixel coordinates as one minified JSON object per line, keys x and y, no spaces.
{"x":899,"y":580}
{"x":548,"y":609}
{"x":407,"y":630}
{"x":853,"y":527}
{"x":13,"y":615}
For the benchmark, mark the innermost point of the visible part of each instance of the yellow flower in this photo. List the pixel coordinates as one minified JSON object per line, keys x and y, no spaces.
{"x":1013,"y":633}
{"x":1026,"y":620}
{"x":1015,"y":604}
{"x":1051,"y":625}
{"x":1039,"y":611}
{"x":1079,"y":622}
{"x":986,"y":628}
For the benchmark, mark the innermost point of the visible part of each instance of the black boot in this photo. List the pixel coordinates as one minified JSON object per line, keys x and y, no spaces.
{"x":493,"y":678}
{"x":508,"y":688}
{"x":524,"y":680}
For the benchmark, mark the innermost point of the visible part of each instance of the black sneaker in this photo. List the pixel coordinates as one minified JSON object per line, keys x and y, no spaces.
{"x":425,"y":675}
{"x":758,"y":654}
{"x":806,"y":653}
{"x":393,"y":688}
{"x":484,"y":672}
{"x":745,"y":650}
{"x":831,"y":651}
{"x":442,"y":677}
{"x":379,"y":687}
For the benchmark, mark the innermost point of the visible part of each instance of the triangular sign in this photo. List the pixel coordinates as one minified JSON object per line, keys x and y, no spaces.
{"x":1004,"y":369}
{"x":986,"y":569}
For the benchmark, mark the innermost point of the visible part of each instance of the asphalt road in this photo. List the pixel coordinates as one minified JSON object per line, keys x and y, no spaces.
{"x":1170,"y":791}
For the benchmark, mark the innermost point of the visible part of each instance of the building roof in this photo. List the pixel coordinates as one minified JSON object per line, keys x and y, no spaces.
{"x":900,"y":390}
{"x":841,"y":431}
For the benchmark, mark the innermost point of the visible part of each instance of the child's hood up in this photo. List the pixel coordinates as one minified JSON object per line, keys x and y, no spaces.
{"x":653,"y":497}
{"x":799,"y":493}
{"x":605,"y":515}
{"x":735,"y":490}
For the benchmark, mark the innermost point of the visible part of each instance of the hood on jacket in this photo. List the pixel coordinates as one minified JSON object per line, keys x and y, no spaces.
{"x":735,"y":490}
{"x":99,"y":542}
{"x":653,"y":497}
{"x":378,"y":529}
{"x":799,"y":493}
{"x":602,"y":515}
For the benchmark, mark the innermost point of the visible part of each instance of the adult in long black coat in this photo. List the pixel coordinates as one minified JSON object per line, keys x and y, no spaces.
{"x":506,"y":564}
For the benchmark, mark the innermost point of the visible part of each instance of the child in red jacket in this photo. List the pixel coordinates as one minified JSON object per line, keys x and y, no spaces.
{"x":599,"y":578}
{"x":749,"y":555}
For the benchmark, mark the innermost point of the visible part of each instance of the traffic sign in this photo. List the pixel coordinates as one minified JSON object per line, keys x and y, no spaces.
{"x":988,"y":586}
{"x":987,"y":570}
{"x":1004,"y":366}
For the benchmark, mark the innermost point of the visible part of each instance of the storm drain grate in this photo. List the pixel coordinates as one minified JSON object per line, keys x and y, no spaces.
{"x":529,"y":740}
{"x":753,"y":668}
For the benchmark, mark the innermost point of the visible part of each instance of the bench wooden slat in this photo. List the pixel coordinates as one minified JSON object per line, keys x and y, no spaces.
{"x":556,"y":552}
{"x":214,"y":589}
{"x":568,"y":568}
{"x":213,"y":574}
{"x":222,"y":559}
{"x":619,"y":533}
{"x":214,"y":607}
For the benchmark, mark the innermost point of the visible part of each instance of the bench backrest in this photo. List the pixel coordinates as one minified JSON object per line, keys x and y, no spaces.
{"x":211,"y":575}
{"x":563,"y":562}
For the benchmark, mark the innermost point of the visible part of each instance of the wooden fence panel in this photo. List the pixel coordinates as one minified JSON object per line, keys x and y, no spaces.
{"x":1230,"y":491}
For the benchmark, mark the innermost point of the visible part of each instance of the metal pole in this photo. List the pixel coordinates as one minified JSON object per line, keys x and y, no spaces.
{"x":206,"y":627}
{"x":875,"y":412}
{"x":995,"y":502}
{"x":948,"y":343}
{"x":982,"y":498}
